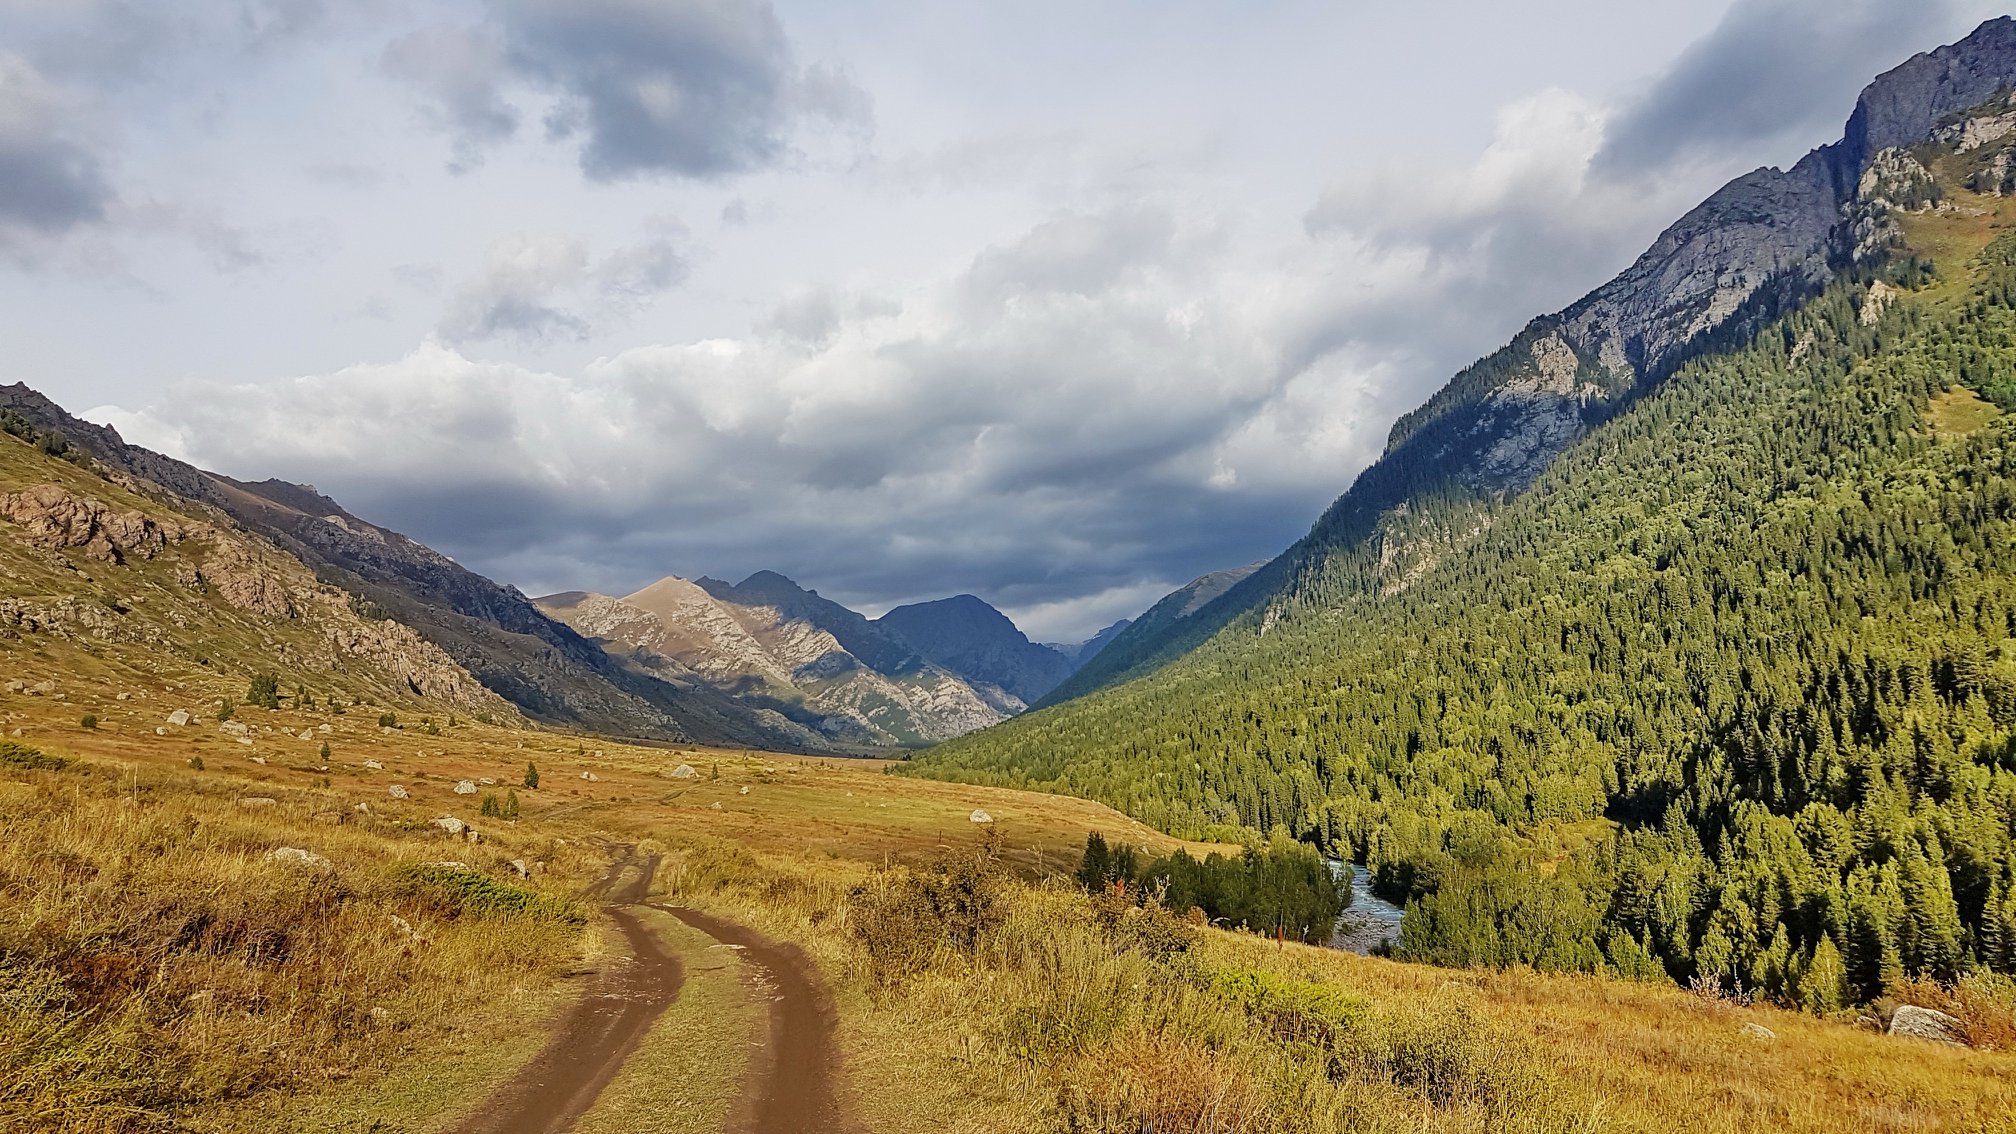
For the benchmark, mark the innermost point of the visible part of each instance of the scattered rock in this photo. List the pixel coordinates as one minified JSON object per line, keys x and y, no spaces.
{"x":590,"y":776}
{"x":258,"y":802}
{"x":322,"y":728}
{"x":980,"y":816}
{"x":179,"y":717}
{"x":16,"y":686}
{"x":364,"y":807}
{"x":1758,"y":1032}
{"x":684,"y":772}
{"x":451,"y":824}
{"x":333,"y":818}
{"x":716,"y":805}
{"x":745,"y":789}
{"x":295,"y":856}
{"x":406,"y":930}
{"x":374,"y":765}
{"x":42,"y":688}
{"x":235,"y":728}
{"x":519,"y":868}
{"x":396,"y":792}
{"x":1927,"y":1023}
{"x":307,"y":734}
{"x":465,"y":787}
{"x":485,"y":780}
{"x":258,"y":759}
{"x":123,"y":697}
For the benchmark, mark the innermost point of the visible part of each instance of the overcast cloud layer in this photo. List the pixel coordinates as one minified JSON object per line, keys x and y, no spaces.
{"x":1057,"y":304}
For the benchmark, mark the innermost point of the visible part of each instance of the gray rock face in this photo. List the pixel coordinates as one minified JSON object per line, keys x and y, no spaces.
{"x":1927,"y":1023}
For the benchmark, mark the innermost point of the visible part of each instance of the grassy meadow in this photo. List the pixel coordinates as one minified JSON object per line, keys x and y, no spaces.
{"x":165,"y":971}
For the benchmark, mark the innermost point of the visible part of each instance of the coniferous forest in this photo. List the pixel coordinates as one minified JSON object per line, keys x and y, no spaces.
{"x":1727,"y":697}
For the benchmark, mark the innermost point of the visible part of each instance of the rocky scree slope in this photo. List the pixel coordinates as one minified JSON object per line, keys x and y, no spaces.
{"x":1753,"y":250}
{"x":544,"y":668}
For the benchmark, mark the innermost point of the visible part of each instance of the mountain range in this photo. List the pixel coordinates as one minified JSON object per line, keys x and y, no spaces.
{"x":918,"y":674}
{"x":763,"y":663}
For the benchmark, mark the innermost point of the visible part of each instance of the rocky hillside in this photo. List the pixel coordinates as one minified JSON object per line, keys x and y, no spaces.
{"x":542,"y":667}
{"x":115,"y":580}
{"x":1755,"y":249}
{"x":801,"y":661}
{"x":970,"y":638}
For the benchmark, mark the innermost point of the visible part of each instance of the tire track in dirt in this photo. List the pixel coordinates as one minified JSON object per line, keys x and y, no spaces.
{"x":790,"y":1087}
{"x":598,"y":1033}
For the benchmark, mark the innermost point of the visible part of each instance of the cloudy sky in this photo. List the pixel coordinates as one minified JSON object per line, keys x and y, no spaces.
{"x":1057,"y":303}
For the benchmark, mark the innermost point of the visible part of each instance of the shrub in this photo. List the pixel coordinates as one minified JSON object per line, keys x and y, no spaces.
{"x":490,"y":809}
{"x":90,"y":720}
{"x":264,"y":691}
{"x":225,"y":708}
{"x":1291,"y":1009}
{"x":21,"y":756}
{"x":196,"y":762}
{"x":388,"y":720}
{"x":510,"y":805}
{"x":905,"y":916}
{"x":531,"y":775}
{"x":323,"y":752}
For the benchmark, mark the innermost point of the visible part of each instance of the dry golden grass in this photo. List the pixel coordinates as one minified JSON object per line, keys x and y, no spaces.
{"x":1055,"y":1021}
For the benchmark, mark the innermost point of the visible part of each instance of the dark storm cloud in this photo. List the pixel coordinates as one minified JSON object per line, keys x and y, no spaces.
{"x":48,"y":182}
{"x":685,"y":88}
{"x":1773,"y":78}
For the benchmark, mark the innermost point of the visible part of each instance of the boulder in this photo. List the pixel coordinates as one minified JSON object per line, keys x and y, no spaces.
{"x":451,"y":824}
{"x":684,"y":772}
{"x":396,"y":792}
{"x":257,"y":802}
{"x":179,"y":717}
{"x":980,"y":816}
{"x":1927,"y":1023}
{"x":295,"y":856}
{"x":465,"y":787}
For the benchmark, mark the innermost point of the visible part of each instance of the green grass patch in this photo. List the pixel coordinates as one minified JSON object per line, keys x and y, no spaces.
{"x":461,"y":891}
{"x":21,"y":756}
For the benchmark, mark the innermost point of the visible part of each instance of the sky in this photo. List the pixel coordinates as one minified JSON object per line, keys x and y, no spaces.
{"x":1060,"y":304}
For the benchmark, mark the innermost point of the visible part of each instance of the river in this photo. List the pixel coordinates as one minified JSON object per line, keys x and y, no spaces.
{"x":1370,"y":920}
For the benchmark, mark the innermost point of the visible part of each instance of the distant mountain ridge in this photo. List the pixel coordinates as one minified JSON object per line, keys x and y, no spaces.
{"x":921,"y":673}
{"x":797,"y":658}
{"x":971,"y":638}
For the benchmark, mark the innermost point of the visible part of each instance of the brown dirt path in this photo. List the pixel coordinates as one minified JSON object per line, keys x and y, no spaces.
{"x":597,"y":1034}
{"x":791,"y":1086}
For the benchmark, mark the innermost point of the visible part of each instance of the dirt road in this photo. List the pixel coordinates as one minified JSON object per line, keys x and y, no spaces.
{"x":790,"y":1088}
{"x":791,"y":1084}
{"x":597,"y":1034}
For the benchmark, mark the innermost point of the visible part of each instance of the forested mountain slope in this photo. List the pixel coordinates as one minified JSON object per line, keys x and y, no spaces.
{"x":1759,"y":246}
{"x":1729,"y":694}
